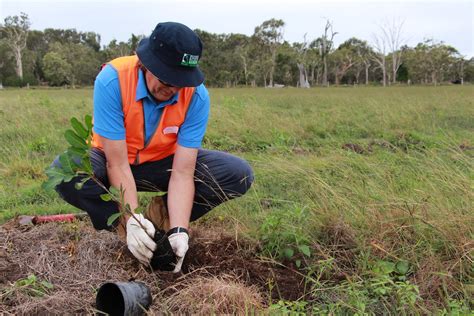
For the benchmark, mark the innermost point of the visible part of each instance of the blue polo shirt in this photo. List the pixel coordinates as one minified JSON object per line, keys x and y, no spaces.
{"x":109,"y":117}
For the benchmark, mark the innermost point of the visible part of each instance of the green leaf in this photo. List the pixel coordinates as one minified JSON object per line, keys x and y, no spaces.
{"x":74,"y":140}
{"x":112,"y":218}
{"x":79,"y":128}
{"x":305,"y":250}
{"x":114,"y":191}
{"x":51,"y":184}
{"x":298,"y":263}
{"x":88,"y":120}
{"x":402,"y":267}
{"x":79,"y":152}
{"x":80,"y":184}
{"x":86,"y":165}
{"x":31,"y":279}
{"x":67,"y":163}
{"x":384,"y":267}
{"x":288,"y":252}
{"x":139,"y":210}
{"x":56,"y":176}
{"x":47,"y":285}
{"x":106,"y":197}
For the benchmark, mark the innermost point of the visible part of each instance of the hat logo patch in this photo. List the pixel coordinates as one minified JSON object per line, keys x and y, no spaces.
{"x":189,"y":60}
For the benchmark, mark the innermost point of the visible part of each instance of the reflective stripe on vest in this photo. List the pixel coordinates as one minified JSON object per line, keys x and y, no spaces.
{"x":163,"y":142}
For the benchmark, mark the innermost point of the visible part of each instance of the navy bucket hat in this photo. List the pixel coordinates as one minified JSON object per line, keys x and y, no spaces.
{"x":172,"y":53}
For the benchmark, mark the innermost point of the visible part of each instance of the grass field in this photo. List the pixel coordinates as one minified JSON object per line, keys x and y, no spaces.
{"x":366,"y":191}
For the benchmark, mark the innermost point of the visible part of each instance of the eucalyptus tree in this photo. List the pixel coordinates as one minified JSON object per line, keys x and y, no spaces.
{"x":116,"y":49}
{"x":325,"y":43}
{"x":432,"y":62}
{"x":270,"y":34}
{"x":388,"y":41}
{"x":83,"y":62}
{"x":362,"y":58}
{"x":393,"y":33}
{"x":15,"y":32}
{"x":352,"y":54}
{"x":379,"y":54}
{"x":301,"y":62}
{"x":342,"y":59}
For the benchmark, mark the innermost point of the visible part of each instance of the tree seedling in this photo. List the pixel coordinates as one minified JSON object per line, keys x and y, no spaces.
{"x":75,"y":161}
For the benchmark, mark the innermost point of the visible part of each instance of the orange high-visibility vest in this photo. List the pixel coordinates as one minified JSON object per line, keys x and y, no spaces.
{"x":163,"y":142}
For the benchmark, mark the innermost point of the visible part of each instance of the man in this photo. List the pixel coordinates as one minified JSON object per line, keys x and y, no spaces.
{"x":150,"y":116}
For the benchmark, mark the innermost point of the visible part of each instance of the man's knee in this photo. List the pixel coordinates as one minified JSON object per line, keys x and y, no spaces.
{"x":244,"y":177}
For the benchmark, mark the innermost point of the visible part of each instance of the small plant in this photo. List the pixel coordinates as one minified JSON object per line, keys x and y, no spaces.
{"x":294,"y":308}
{"x":456,"y":308}
{"x":284,"y":235}
{"x":30,"y":286}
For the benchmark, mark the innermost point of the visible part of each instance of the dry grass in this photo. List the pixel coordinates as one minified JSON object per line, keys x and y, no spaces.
{"x":75,"y":259}
{"x":214,"y":295}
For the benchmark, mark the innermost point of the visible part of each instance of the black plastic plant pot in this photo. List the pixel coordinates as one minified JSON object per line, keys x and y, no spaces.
{"x":123,"y":298}
{"x":163,"y":258}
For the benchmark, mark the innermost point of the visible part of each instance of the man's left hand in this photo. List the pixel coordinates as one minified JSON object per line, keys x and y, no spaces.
{"x":179,"y":243}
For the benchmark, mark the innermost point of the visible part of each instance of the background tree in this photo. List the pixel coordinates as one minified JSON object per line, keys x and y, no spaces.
{"x":301,"y":62}
{"x":114,"y":49}
{"x":325,"y":43}
{"x":469,"y":70}
{"x":270,"y":33}
{"x":56,"y":69}
{"x":15,"y":32}
{"x":379,"y":54}
{"x":362,"y":57}
{"x":393,"y":33}
{"x":84,"y":63}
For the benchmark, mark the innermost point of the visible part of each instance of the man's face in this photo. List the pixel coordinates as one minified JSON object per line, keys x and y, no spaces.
{"x":160,"y":90}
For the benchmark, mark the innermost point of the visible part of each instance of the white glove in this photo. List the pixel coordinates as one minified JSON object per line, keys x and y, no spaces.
{"x":179,"y":243}
{"x":140,"y":242}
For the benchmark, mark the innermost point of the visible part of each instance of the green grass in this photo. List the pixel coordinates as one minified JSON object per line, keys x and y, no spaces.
{"x":406,"y":197}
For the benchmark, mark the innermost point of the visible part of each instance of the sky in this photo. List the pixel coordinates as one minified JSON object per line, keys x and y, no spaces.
{"x":449,"y":21}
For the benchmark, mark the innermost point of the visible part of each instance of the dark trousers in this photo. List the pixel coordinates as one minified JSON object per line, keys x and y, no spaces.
{"x":218,"y":177}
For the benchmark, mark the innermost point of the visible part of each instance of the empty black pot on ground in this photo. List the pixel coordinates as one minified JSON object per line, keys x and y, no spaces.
{"x":123,"y":298}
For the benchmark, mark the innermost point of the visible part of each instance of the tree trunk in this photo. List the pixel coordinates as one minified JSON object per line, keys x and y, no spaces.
{"x":244,"y":62}
{"x":357,"y":76}
{"x":394,"y":68}
{"x":384,"y":75}
{"x":433,"y":78}
{"x":303,"y":82}
{"x":311,"y":78}
{"x":366,"y":74}
{"x":325,"y":72}
{"x":272,"y":69}
{"x":19,"y":64}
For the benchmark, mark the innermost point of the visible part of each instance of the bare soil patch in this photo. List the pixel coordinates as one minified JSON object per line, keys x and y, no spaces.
{"x":221,"y":274}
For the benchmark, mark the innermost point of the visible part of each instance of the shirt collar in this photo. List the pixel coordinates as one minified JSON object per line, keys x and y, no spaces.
{"x":142,"y":91}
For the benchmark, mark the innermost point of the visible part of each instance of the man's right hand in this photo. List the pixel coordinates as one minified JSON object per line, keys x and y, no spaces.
{"x":139,"y":240}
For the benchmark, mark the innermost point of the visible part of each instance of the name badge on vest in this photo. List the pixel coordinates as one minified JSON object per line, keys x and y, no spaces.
{"x":171,"y":130}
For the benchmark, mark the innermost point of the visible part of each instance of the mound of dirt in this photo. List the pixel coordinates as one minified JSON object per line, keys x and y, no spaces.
{"x":219,"y":270}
